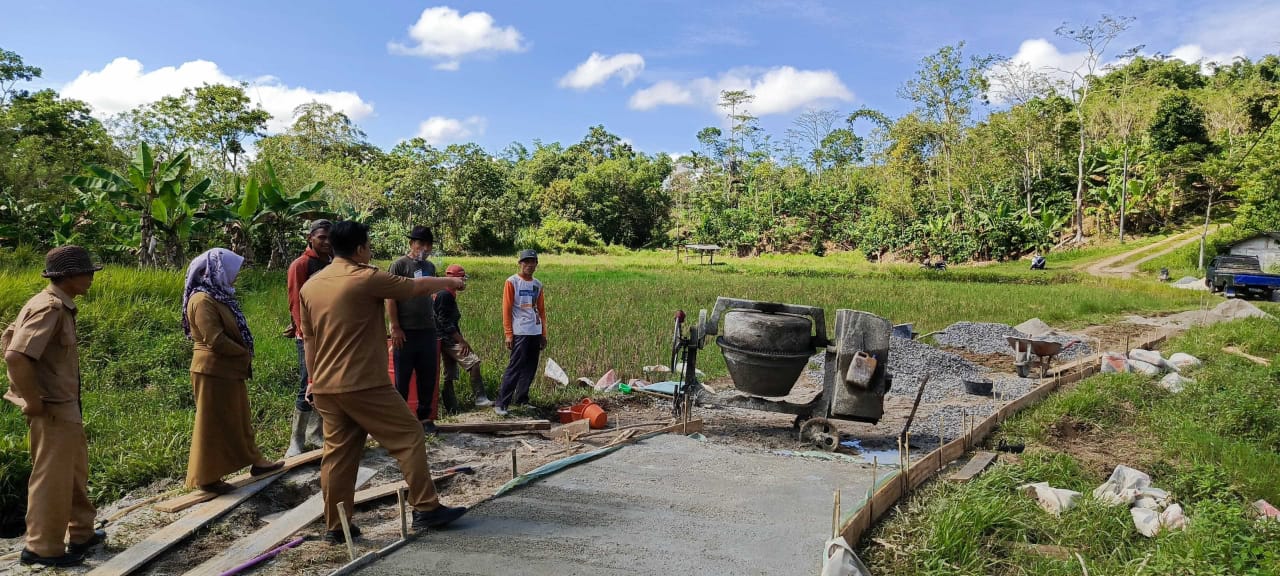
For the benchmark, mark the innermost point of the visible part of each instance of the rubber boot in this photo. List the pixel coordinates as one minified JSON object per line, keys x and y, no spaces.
{"x":448,"y":397}
{"x":315,"y":431}
{"x":298,"y":434}
{"x":477,"y":388}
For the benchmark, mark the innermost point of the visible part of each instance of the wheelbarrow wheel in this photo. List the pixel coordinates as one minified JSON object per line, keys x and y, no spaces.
{"x":821,"y":433}
{"x":1023,"y":370}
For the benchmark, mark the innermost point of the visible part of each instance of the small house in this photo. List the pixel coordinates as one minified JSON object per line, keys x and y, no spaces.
{"x":1265,"y":245}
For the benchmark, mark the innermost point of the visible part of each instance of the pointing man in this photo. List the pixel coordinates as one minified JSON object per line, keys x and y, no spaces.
{"x":342,"y":322}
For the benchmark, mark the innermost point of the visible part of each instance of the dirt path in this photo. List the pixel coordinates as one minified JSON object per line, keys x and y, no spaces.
{"x":1111,"y":266}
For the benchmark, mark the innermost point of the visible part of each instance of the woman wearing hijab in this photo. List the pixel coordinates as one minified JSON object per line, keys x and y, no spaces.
{"x":223,"y":440}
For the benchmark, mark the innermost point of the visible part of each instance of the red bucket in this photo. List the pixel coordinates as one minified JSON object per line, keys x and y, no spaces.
{"x":584,"y":410}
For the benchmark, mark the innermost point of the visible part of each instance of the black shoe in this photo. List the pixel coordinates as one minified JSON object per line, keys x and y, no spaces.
{"x":63,"y":561}
{"x":269,"y":468}
{"x":337,"y":537}
{"x":437,"y":518}
{"x":98,"y":537}
{"x":219,"y":487}
{"x":429,"y":428}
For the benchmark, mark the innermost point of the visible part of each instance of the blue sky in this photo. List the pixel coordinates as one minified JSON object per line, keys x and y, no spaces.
{"x":497,"y":72}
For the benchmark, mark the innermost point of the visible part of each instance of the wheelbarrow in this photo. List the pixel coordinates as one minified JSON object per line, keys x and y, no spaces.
{"x":1029,"y":352}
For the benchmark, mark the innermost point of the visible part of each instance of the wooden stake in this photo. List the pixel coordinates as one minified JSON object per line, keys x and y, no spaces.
{"x":404,"y":515}
{"x":942,"y":422}
{"x":515,"y":467}
{"x":346,"y":530}
{"x":835,"y":515}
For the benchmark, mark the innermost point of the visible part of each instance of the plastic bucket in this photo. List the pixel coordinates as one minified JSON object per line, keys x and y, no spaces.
{"x":587,"y":410}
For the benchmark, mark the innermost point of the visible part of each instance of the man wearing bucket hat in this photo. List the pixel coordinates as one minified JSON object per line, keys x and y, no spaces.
{"x":413,"y":330}
{"x":524,"y":320}
{"x":455,"y":351}
{"x":44,"y":375}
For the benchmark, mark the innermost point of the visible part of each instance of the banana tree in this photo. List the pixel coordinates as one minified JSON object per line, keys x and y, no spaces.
{"x":243,"y":216}
{"x":157,"y":191}
{"x":283,"y":213}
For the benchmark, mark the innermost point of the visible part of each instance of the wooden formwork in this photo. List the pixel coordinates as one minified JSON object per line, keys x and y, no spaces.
{"x":930,"y":464}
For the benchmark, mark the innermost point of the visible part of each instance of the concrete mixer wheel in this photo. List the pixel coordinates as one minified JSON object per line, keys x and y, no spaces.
{"x":820,"y":432}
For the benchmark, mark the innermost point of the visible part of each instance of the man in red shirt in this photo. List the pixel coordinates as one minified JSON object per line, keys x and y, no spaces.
{"x":306,"y":425}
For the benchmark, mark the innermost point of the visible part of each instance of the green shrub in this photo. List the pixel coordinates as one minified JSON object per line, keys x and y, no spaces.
{"x":559,"y":236}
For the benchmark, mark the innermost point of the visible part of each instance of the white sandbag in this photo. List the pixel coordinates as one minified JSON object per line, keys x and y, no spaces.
{"x":1174,"y":382}
{"x":1123,"y":487}
{"x":1149,"y":356}
{"x":555,"y":373}
{"x":1146,"y":520}
{"x":1114,"y":362}
{"x":840,"y":560}
{"x":1150,"y":522}
{"x":1054,"y":500}
{"x":1144,"y":368}
{"x":1181,"y":361}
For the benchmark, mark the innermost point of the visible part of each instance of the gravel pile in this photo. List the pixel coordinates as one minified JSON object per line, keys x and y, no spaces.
{"x":990,"y":338}
{"x":910,"y":360}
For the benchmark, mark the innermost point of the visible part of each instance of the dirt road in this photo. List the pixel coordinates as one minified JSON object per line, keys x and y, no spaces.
{"x":1111,"y":266}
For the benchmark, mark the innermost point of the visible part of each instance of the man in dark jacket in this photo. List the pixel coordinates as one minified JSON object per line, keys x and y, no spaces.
{"x":454,"y":349}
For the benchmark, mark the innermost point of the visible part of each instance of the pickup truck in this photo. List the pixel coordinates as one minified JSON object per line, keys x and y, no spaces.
{"x":1240,"y":276}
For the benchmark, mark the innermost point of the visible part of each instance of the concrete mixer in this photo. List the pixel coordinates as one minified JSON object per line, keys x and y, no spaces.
{"x":766,"y":347}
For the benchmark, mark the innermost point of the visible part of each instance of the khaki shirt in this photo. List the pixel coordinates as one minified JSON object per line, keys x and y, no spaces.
{"x":45,"y":331}
{"x":344,"y":326}
{"x":219,"y":348}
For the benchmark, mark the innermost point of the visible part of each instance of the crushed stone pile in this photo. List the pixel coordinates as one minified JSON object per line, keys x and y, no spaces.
{"x":910,"y":360}
{"x":1191,"y":283}
{"x":1234,"y":309}
{"x":990,"y":338}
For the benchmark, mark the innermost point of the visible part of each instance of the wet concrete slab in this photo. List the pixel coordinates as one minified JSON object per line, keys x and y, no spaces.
{"x":668,"y":505}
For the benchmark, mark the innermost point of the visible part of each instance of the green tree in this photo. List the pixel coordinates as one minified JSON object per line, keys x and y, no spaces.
{"x":157,"y":191}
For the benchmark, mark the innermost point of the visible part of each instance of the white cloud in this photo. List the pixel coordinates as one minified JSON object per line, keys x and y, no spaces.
{"x":598,"y":68}
{"x":438,"y":130}
{"x":777,"y":90}
{"x":442,"y":33}
{"x":123,"y":84}
{"x":1196,"y":54}
{"x":1223,"y":31}
{"x":665,"y":93}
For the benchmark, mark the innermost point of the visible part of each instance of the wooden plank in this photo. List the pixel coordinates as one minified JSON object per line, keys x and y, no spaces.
{"x":570,"y":431}
{"x":192,"y":498}
{"x":976,"y":465}
{"x":1250,"y":357}
{"x":689,"y":427}
{"x":251,"y":546}
{"x":513,"y":426}
{"x":139,"y":554}
{"x":953,"y":449}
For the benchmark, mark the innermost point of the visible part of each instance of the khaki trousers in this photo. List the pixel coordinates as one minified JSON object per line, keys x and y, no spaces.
{"x":58,"y":503}
{"x":383,"y":414}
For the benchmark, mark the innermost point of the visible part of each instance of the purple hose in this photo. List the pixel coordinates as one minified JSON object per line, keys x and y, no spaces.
{"x":262,"y":558}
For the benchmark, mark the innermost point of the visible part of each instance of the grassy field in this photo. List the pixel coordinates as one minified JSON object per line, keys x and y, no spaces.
{"x":1215,"y":447}
{"x":604,"y":312}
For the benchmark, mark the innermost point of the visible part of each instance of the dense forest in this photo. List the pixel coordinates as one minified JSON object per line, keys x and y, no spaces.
{"x":993,"y":161}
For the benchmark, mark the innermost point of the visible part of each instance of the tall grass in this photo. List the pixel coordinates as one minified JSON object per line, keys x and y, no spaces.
{"x":610,"y":312}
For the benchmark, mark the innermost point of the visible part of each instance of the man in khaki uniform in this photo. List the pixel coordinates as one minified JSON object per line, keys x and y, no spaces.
{"x":346,"y":348}
{"x":44,"y":375}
